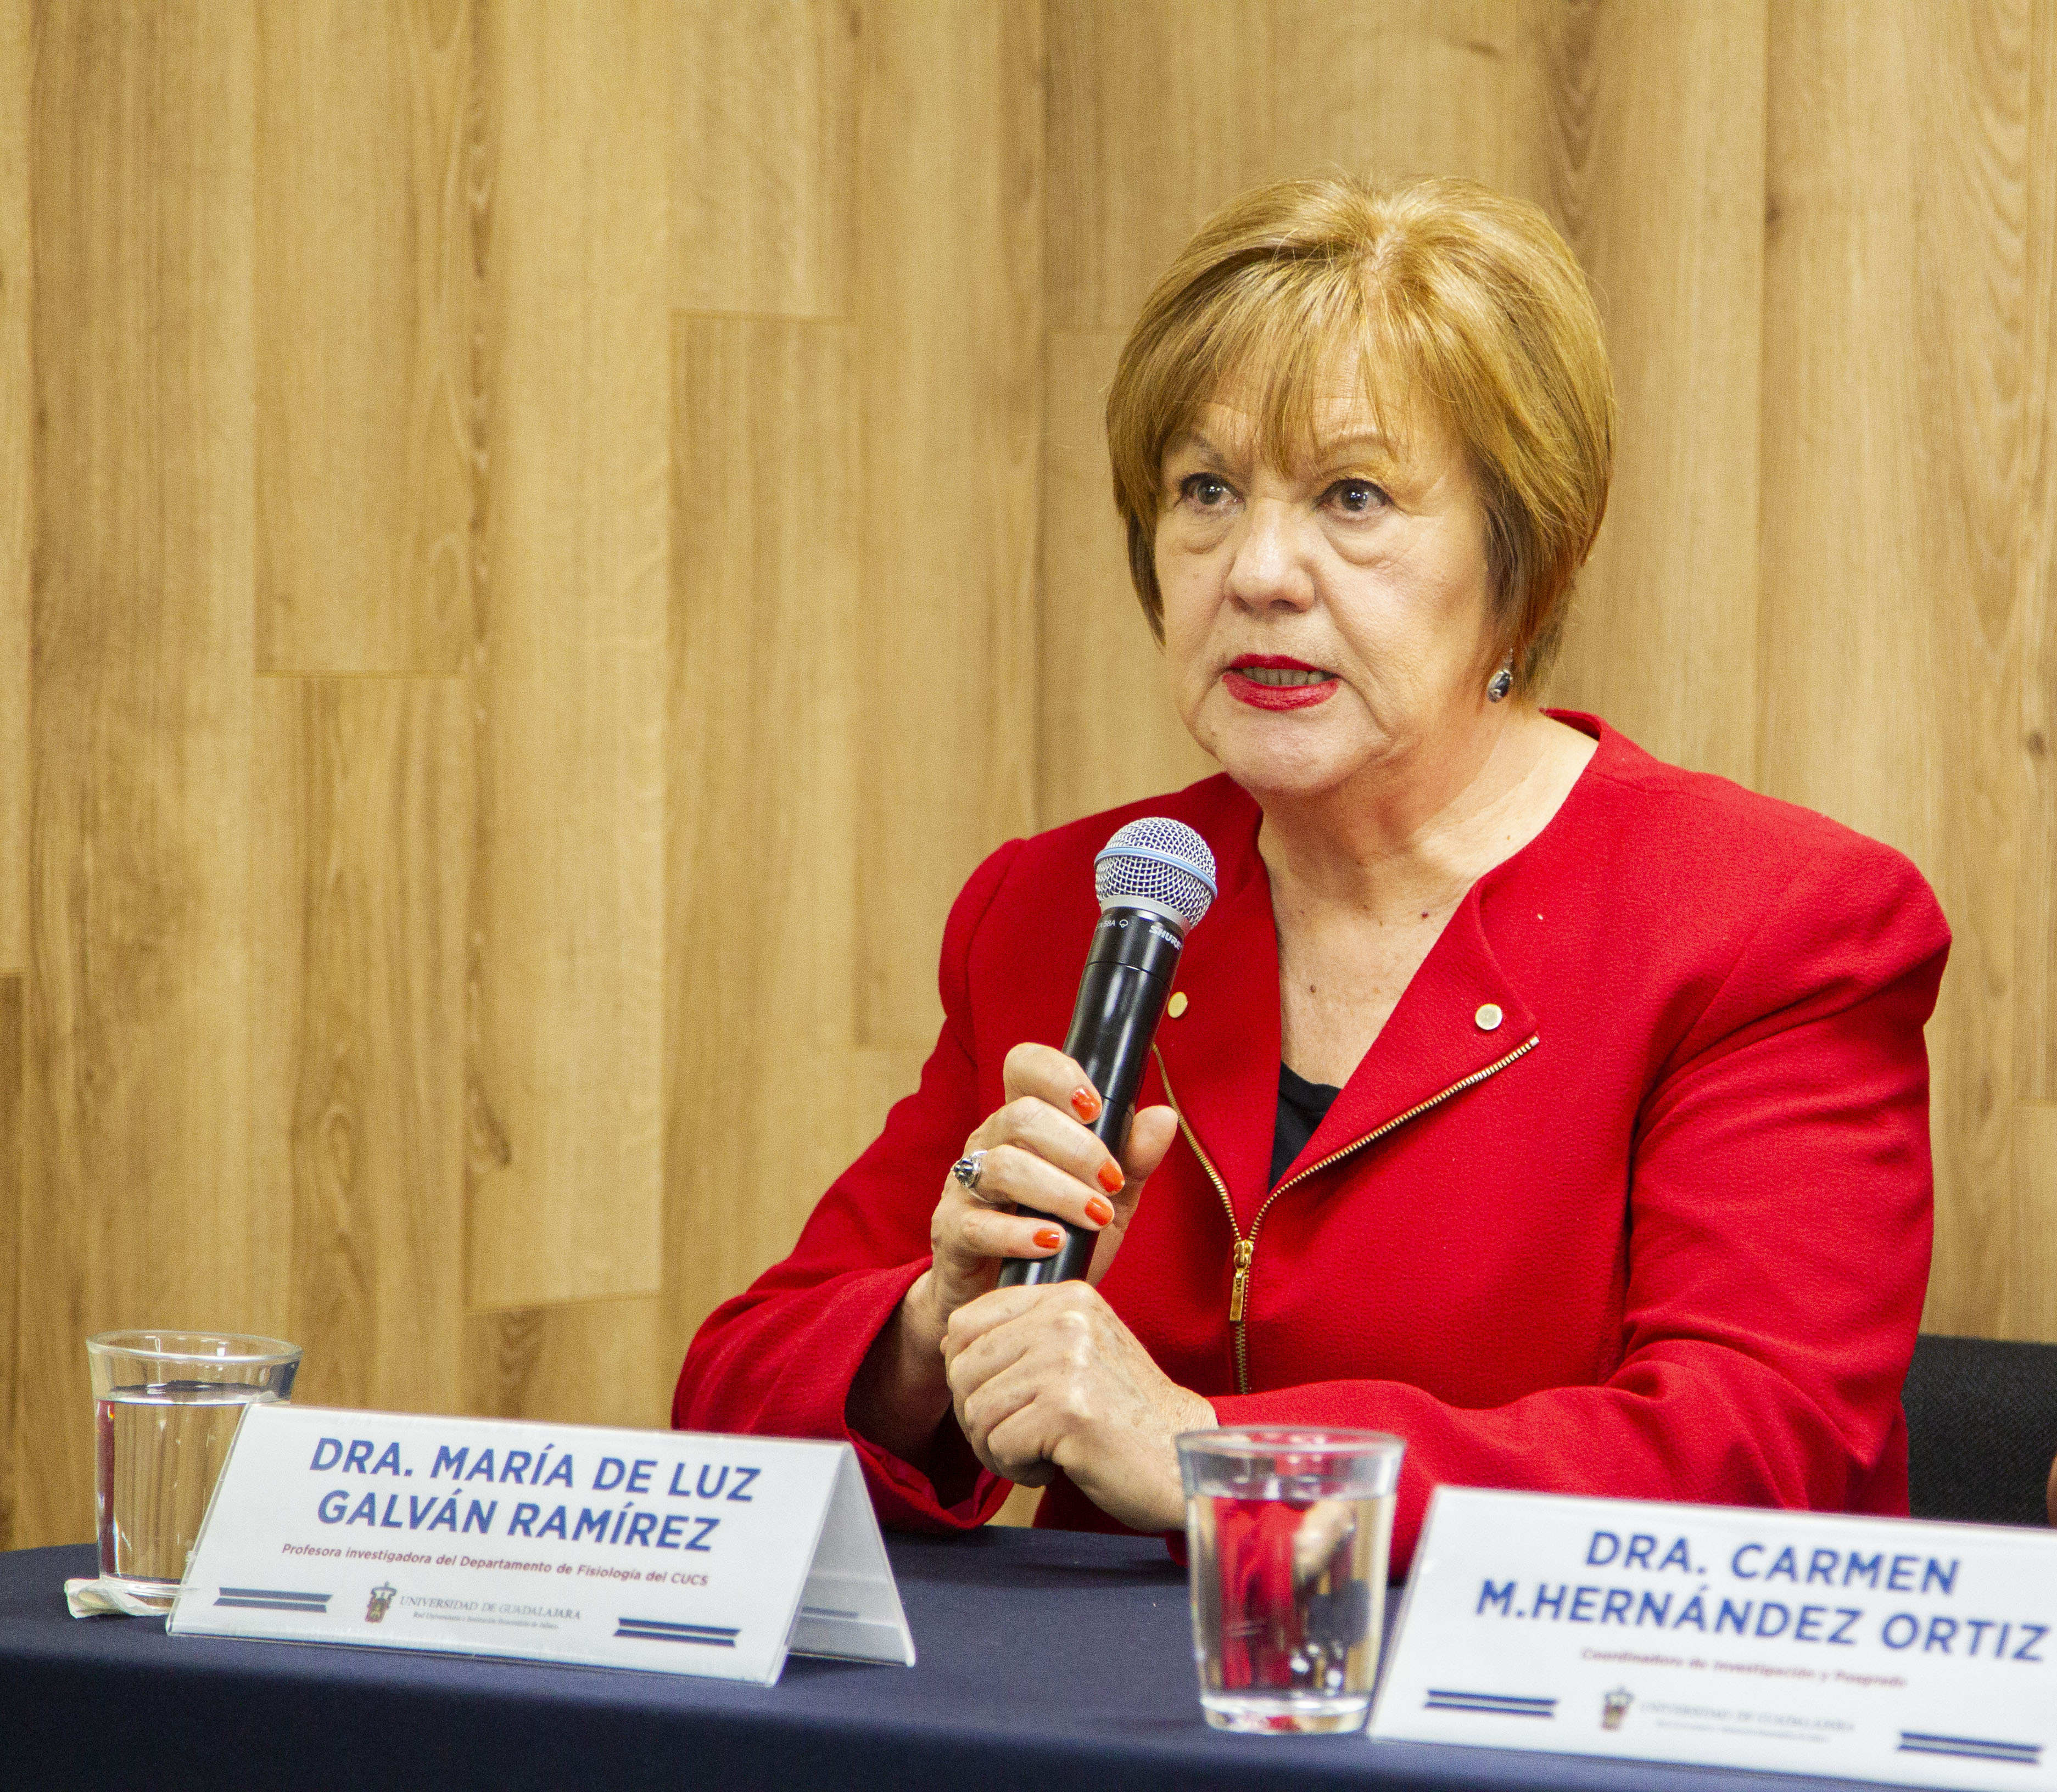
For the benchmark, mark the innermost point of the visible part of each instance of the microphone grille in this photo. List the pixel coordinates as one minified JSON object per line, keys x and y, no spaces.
{"x":1159,"y":861}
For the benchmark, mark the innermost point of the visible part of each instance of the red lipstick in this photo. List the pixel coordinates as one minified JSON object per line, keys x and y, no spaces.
{"x":1261,"y":695}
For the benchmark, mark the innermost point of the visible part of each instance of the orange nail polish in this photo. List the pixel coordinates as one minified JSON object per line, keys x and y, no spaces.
{"x":1085,"y":1104}
{"x":1049,"y":1238}
{"x":1110,"y":1177}
{"x":1099,"y":1212}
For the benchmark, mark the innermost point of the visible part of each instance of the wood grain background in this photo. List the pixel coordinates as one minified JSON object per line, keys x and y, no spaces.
{"x":480,"y":479}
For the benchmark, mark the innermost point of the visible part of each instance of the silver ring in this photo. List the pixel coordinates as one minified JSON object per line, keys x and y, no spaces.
{"x":968,"y":1169}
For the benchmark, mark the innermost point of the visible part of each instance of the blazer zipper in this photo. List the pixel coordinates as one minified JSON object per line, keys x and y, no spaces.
{"x":1246,"y":1245}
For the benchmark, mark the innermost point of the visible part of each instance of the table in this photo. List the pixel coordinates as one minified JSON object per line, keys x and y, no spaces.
{"x":1050,"y":1662}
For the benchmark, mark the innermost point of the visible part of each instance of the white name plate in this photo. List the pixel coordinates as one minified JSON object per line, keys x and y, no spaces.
{"x":667,"y":1550}
{"x":1865,"y":1648}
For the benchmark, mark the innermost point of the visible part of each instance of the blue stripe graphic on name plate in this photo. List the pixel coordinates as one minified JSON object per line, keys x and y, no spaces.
{"x":1970,"y":1748}
{"x":656,"y":1630}
{"x":1501,"y":1704}
{"x":272,"y":1599}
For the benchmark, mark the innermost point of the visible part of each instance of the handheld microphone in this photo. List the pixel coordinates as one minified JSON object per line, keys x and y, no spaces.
{"x":1154,"y":879}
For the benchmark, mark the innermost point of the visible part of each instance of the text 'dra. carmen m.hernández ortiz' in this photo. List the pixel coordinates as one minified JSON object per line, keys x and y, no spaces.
{"x":1836,"y":1597}
{"x":630,"y":1502}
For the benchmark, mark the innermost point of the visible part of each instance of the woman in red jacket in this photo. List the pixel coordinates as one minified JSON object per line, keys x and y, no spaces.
{"x":1562,"y":1111}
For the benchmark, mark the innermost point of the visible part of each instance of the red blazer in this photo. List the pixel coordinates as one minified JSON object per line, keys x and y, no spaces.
{"x":1661,"y":1230}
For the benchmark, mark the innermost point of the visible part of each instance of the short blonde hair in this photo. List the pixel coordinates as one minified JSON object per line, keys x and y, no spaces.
{"x":1471,"y":299}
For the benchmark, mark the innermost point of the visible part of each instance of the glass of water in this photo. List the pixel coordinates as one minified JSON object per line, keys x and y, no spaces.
{"x":1288,"y":1531}
{"x":166,"y":1405}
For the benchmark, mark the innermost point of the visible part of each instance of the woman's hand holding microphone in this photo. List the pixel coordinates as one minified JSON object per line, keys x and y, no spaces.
{"x":1036,"y":1151}
{"x":1041,"y":1377}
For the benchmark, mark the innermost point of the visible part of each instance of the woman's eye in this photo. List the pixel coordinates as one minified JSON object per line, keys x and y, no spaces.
{"x":1355,"y":497}
{"x":1204,"y":490}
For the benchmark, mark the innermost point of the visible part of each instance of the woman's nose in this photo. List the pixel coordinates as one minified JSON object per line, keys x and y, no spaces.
{"x":1267,"y":568}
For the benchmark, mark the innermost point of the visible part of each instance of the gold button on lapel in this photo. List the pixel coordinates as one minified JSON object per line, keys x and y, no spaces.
{"x":1177,"y":1005}
{"x":1489,"y":1017}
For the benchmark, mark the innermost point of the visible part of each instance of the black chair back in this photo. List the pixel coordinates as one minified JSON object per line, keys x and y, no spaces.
{"x":1981,"y":1429}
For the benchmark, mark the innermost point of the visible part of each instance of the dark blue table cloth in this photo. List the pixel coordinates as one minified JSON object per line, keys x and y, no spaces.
{"x":1050,"y":1661}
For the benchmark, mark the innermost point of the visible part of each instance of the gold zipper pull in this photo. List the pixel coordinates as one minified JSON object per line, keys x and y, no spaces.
{"x":1244,"y":1248}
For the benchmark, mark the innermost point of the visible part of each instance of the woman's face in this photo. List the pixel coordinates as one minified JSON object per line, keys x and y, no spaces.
{"x":1326,"y":620}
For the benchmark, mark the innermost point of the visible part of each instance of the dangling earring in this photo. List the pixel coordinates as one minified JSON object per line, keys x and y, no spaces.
{"x":1502,"y":681}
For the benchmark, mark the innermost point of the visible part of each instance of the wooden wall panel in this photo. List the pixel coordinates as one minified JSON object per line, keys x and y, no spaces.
{"x":365,"y":460}
{"x":140,"y":1207}
{"x":16,"y":508}
{"x":1158,"y":110}
{"x":1401,"y":87}
{"x":1128,"y":179}
{"x":1657,"y":170}
{"x":2032,"y":1308}
{"x":566,"y":1187}
{"x":1161,"y":109}
{"x":585,"y":1363}
{"x":1889,"y":644}
{"x":361,"y":850}
{"x":950,"y":208}
{"x":770,"y":1094}
{"x":764,"y":157}
{"x":1106,"y":731}
{"x":2035,"y":571}
{"x":17,"y":1446}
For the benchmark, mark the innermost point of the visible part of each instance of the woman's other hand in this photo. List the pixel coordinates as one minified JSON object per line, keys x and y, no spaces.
{"x":1038,"y":1152}
{"x":1048,"y":1377}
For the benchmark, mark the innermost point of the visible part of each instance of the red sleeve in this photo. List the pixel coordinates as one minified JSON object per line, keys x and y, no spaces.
{"x":779,"y":1359}
{"x":1777,"y":1248}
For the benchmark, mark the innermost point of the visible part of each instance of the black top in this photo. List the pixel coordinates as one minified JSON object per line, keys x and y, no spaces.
{"x":1302,"y":1107}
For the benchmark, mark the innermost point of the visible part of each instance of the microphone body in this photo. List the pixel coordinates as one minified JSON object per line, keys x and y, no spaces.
{"x":1128,"y":980}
